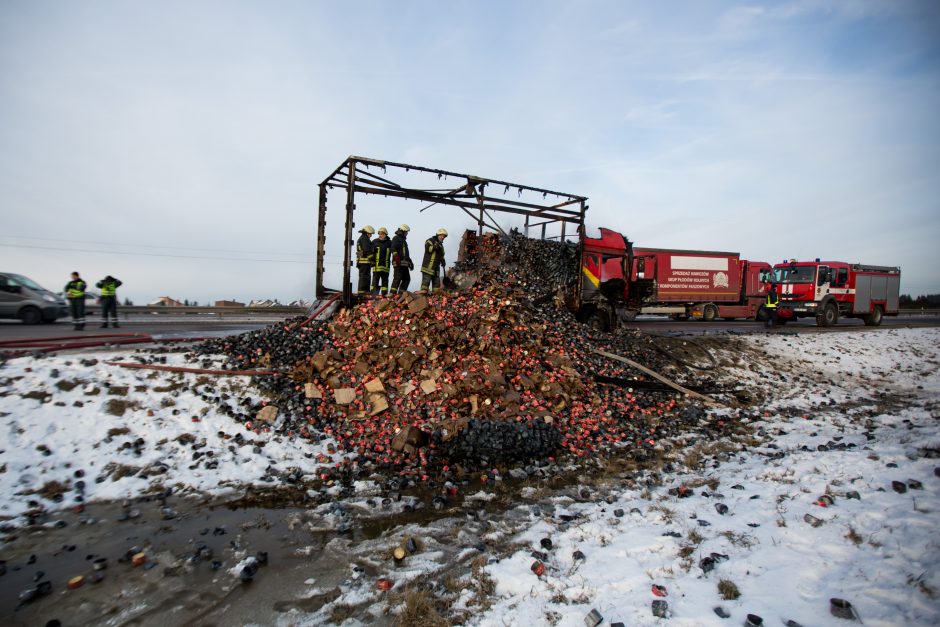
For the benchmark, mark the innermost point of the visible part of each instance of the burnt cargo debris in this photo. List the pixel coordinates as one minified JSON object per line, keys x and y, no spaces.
{"x":497,"y":371}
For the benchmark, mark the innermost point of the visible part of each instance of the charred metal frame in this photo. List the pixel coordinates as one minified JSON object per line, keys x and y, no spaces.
{"x":471,"y":195}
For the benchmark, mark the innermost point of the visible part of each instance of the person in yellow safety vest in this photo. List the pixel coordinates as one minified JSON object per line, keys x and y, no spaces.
{"x":365,"y":257}
{"x":383,"y":262}
{"x":75,"y":293}
{"x":771,"y":307}
{"x":401,"y":260}
{"x":433,"y":260}
{"x":108,"y":287}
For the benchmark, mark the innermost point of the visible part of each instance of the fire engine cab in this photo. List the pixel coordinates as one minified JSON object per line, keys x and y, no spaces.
{"x":829,"y":290}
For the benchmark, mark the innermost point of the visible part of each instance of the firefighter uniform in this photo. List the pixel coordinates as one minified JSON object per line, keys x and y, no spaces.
{"x":365,"y":257}
{"x":433,"y":260}
{"x":108,"y":287}
{"x":383,"y":262}
{"x":771,"y":307}
{"x":401,"y":260}
{"x":75,"y":293}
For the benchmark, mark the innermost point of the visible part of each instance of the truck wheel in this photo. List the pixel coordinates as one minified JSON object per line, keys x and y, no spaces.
{"x":761,"y":315}
{"x":874,"y":318}
{"x":709,"y":313}
{"x":828,"y":316}
{"x":31,"y":315}
{"x":598,"y":320}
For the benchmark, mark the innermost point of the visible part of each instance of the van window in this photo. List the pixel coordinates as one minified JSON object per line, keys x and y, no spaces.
{"x":19,"y":279}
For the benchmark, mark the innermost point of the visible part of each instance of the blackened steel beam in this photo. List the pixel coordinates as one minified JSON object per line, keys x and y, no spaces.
{"x":347,"y":243}
{"x":321,"y":240}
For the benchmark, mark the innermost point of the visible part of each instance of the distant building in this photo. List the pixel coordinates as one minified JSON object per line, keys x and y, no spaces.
{"x":265,"y":303}
{"x":165,"y":301}
{"x":228,"y":303}
{"x":299,"y":303}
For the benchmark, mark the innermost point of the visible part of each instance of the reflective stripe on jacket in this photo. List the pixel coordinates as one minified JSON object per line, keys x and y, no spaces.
{"x":365,"y":250}
{"x":772,"y":300}
{"x":433,"y":255}
{"x":75,"y":289}
{"x":383,"y":254}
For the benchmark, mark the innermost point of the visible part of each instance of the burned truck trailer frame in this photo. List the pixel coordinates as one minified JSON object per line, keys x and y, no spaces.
{"x":480,"y":198}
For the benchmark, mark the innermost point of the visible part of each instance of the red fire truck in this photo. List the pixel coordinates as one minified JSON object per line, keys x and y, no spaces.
{"x":619,"y":281}
{"x":829,"y":290}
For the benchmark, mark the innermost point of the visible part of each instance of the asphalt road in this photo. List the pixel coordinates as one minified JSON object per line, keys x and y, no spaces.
{"x":181,"y":327}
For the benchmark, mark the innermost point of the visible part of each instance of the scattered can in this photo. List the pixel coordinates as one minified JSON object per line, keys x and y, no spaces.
{"x":660,"y":608}
{"x":593,"y":618}
{"x":75,"y":582}
{"x":840,"y":608}
{"x":538,"y":568}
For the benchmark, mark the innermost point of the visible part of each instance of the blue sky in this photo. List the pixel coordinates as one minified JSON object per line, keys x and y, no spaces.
{"x":190,"y":136}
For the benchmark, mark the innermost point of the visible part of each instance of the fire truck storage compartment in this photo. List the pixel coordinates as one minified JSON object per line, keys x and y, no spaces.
{"x":878,"y":289}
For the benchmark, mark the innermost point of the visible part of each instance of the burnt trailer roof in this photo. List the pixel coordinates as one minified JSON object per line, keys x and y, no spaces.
{"x":483,"y":199}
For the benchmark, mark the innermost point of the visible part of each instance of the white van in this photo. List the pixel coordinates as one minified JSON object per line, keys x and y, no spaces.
{"x":26,"y":300}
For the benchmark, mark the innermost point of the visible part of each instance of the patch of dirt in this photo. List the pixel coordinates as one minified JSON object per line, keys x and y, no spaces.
{"x":118,"y":390}
{"x":67,"y":386}
{"x":52,"y":489}
{"x":117,"y":406}
{"x":118,"y":431}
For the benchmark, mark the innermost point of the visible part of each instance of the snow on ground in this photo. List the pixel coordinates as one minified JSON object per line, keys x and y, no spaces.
{"x":127,"y":432}
{"x":870,"y":400}
{"x":845,"y":413}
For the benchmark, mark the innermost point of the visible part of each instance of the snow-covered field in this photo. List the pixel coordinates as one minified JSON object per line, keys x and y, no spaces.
{"x":845,"y":415}
{"x":875,"y":393}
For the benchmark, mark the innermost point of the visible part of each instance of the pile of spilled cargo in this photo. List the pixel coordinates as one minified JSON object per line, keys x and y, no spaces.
{"x":493,"y":371}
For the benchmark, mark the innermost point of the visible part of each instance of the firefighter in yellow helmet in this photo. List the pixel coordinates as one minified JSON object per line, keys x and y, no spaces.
{"x":365,"y":257}
{"x":433,"y":261}
{"x":383,"y":261}
{"x":401,"y":260}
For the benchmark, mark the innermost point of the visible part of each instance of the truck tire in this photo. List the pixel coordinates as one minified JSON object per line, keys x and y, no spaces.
{"x":30,"y":315}
{"x":761,"y":315}
{"x":709,"y":313}
{"x":828,"y":316}
{"x":598,"y":320}
{"x":874,"y":318}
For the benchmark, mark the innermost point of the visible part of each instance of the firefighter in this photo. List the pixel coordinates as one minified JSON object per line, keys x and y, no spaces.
{"x":75,"y":292}
{"x":401,"y":260}
{"x":771,"y":307}
{"x":365,"y":257}
{"x":433,"y":260}
{"x":108,"y":287}
{"x":383,"y":258}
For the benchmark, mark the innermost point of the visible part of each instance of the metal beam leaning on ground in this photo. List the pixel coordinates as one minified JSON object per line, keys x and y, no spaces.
{"x":659,"y":377}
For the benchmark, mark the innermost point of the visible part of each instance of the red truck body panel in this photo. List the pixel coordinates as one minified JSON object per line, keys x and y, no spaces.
{"x":689,"y":276}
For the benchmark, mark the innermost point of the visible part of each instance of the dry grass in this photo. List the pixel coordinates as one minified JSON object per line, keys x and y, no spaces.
{"x":728,"y":590}
{"x":340,"y":612}
{"x":695,"y":537}
{"x":853,"y":536}
{"x":420,"y":610}
{"x":744,"y":540}
{"x":668,"y":514}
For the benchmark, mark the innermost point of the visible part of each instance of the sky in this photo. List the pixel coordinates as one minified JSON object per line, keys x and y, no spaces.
{"x":178,"y":145}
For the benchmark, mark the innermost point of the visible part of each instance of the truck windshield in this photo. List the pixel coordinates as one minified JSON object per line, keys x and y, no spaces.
{"x":795,"y":274}
{"x":19,"y":279}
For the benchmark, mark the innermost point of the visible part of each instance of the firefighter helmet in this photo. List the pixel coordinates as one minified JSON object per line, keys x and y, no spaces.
{"x":382,"y":229}
{"x":368,"y":229}
{"x":442,"y":232}
{"x":404,"y":228}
